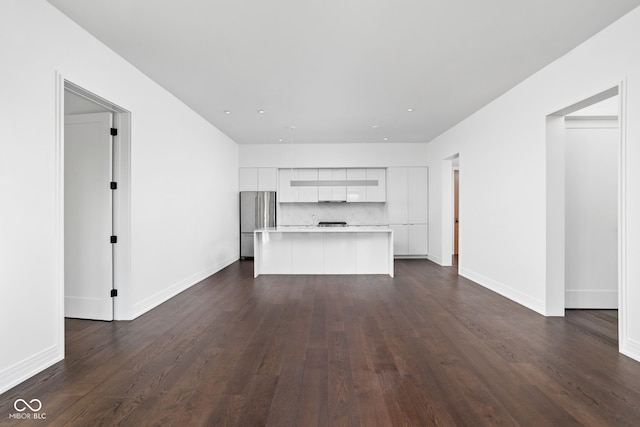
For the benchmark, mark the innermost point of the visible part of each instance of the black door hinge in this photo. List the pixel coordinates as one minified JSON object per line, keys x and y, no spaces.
{"x":114,"y":293}
{"x":114,"y":131}
{"x":114,"y":239}
{"x":113,"y":185}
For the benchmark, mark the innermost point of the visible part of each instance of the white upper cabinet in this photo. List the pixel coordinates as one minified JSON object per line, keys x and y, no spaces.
{"x":418,"y":194}
{"x":332,"y":193}
{"x":248,"y":179}
{"x":287,"y":193}
{"x":267,"y":179}
{"x":308,"y":193}
{"x":377,"y":193}
{"x":329,"y":185}
{"x":339,"y":191}
{"x":397,"y":196}
{"x":258,"y":179}
{"x":325,"y":192}
{"x":356,"y":193}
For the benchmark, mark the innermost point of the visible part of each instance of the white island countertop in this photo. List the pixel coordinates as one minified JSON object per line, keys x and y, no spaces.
{"x":316,"y":229}
{"x":359,"y":249}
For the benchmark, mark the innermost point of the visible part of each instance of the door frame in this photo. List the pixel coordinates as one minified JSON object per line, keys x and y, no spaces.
{"x":447,"y":223}
{"x":121,"y":198}
{"x":456,"y":210}
{"x":555,"y":208}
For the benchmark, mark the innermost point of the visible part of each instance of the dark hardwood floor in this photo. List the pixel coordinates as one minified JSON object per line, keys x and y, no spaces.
{"x":426,"y":348}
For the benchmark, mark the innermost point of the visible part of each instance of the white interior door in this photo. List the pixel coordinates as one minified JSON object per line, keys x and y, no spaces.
{"x":88,"y":216}
{"x":591,"y":214}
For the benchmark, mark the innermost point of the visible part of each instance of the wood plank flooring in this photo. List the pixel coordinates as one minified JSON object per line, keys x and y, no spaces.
{"x":425,"y":348}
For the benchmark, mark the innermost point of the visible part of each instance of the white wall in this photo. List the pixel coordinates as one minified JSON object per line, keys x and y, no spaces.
{"x":333,"y":155}
{"x":184,"y":182}
{"x":503,"y":173}
{"x":591,"y":213}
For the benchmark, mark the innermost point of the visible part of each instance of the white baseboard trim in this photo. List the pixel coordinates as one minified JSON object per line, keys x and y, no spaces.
{"x":21,"y":371}
{"x":504,"y":290}
{"x":435,"y":259}
{"x":631,"y":349}
{"x":173,"y":290}
{"x":591,"y":299}
{"x":410,"y":257}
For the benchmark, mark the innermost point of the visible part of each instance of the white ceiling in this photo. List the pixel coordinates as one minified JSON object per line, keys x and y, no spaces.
{"x":334,"y":69}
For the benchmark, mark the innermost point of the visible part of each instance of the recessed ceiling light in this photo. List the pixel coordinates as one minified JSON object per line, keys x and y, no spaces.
{"x":261,"y":111}
{"x":410,"y":109}
{"x":376,"y":127}
{"x":227,"y":112}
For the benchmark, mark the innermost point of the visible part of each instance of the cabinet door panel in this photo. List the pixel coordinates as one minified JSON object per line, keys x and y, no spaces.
{"x":418,"y":195}
{"x":308,"y":194}
{"x":397,"y":195}
{"x":400,"y":239}
{"x":267,"y":179}
{"x":339,"y":192}
{"x":287,"y":193}
{"x":325,"y":192}
{"x":356,"y":193}
{"x":377,"y":193}
{"x":418,"y":241}
{"x":248,"y":179}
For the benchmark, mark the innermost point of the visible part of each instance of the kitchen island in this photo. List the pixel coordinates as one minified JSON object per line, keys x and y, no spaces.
{"x":323,"y":250}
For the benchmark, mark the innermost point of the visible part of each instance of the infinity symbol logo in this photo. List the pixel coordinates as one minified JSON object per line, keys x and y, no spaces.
{"x":21,"y":405}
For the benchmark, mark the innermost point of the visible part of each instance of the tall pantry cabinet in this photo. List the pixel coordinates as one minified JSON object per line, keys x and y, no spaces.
{"x":407,"y":208}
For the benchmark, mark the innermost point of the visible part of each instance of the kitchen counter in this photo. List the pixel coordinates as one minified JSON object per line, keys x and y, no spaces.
{"x":317,"y":229}
{"x":323,"y":250}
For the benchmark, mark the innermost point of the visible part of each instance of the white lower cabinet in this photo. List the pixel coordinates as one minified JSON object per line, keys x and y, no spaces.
{"x":418,"y":239}
{"x":410,"y":239}
{"x":306,"y":253}
{"x":340,"y":251}
{"x":400,"y":239}
{"x":339,"y":254}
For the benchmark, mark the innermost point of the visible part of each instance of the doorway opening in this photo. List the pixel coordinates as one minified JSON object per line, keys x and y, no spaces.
{"x":450,"y":211}
{"x":95,"y":200}
{"x":585,"y":228}
{"x":456,"y":210}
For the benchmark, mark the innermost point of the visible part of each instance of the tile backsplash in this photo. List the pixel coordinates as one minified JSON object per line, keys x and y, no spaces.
{"x":352,"y":213}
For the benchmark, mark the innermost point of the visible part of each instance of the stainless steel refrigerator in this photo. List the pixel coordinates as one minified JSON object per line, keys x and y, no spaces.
{"x":257,"y":210}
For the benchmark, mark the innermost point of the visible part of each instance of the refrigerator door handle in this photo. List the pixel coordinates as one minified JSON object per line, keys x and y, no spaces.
{"x":259,"y":210}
